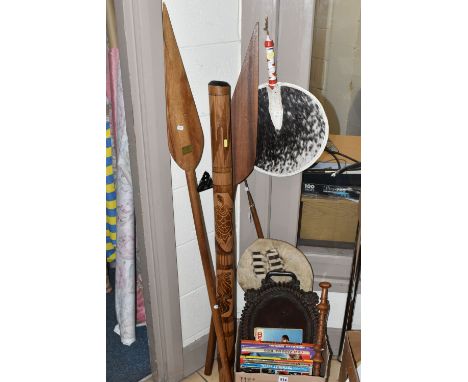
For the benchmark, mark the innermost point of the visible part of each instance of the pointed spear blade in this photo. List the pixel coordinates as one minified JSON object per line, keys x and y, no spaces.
{"x":244,"y":113}
{"x":184,"y":131}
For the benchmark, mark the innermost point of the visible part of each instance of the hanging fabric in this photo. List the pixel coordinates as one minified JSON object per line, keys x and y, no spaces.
{"x":111,"y":202}
{"x":129,"y":304}
{"x":125,"y":260}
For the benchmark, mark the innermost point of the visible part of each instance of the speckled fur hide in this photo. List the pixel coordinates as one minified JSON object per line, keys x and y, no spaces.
{"x":302,"y":136}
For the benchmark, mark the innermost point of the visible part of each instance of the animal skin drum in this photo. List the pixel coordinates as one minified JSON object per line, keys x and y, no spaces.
{"x":265,"y":255}
{"x":303,"y":134}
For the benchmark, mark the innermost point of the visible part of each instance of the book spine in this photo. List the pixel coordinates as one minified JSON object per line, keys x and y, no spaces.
{"x":275,"y":349}
{"x":274,"y":358}
{"x":277,"y":344}
{"x":296,"y":369}
{"x":303,"y":362}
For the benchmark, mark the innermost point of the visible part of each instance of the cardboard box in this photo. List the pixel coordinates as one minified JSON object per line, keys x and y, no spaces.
{"x":347,"y":144}
{"x":259,"y":377}
{"x":351,"y":356}
{"x":328,"y":219}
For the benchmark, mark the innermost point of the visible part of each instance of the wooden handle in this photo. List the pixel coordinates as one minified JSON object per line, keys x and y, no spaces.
{"x":209,"y":274}
{"x":210,"y":350}
{"x":253,"y":211}
{"x":221,"y":143}
{"x":323,"y":308}
{"x":111,"y":24}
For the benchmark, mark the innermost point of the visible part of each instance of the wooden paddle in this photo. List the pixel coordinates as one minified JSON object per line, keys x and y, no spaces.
{"x":185,"y":140}
{"x":244,"y":112}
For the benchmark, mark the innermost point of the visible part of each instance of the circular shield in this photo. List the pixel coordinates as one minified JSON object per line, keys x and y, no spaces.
{"x":302,"y":137}
{"x":265,"y":255}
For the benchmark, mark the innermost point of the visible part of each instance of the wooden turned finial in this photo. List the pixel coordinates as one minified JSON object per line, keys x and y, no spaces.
{"x":324,"y":285}
{"x":323,"y":308}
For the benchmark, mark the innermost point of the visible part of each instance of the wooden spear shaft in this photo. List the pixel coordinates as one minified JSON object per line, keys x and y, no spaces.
{"x":253,"y":211}
{"x":111,"y":24}
{"x":208,"y":270}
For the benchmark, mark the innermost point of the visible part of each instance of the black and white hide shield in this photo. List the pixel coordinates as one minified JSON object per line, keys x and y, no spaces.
{"x":302,"y":137}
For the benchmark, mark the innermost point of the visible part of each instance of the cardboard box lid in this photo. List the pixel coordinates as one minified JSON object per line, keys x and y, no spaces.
{"x":346,"y":144}
{"x":354,"y":339}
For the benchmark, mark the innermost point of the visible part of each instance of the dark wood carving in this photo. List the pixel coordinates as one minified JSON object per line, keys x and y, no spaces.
{"x":280,"y":305}
{"x":221,"y":151}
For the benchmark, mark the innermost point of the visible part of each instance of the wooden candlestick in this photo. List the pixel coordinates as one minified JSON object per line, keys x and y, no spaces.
{"x":320,"y":344}
{"x":221,"y":150}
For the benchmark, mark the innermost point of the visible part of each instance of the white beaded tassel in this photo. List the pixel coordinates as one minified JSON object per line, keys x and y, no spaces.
{"x":275,"y":106}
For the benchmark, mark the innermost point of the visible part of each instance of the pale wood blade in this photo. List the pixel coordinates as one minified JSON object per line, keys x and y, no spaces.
{"x":184,"y":131}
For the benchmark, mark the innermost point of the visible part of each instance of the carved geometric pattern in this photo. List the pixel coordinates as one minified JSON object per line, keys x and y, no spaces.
{"x":224,"y":292}
{"x":223,"y":219}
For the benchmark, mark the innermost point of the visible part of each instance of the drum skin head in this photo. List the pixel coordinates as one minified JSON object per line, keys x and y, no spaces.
{"x":293,"y":260}
{"x":302,"y":137}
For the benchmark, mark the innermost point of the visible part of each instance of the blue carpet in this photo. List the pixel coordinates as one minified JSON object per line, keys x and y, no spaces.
{"x":124,"y":363}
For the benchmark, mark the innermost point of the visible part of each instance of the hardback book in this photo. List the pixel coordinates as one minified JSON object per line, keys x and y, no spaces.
{"x":273,"y":369}
{"x":274,"y":360}
{"x":284,"y":335}
{"x":278,"y":347}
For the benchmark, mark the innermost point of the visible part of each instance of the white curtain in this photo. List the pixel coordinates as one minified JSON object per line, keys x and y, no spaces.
{"x":125,"y":260}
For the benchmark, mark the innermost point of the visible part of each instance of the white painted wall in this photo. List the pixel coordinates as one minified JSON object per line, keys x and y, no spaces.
{"x":208,"y":35}
{"x":336,"y":59}
{"x":343,"y":63}
{"x":337,"y":309}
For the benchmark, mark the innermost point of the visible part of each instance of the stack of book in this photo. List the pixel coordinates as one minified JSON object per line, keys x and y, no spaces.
{"x":276,"y":357}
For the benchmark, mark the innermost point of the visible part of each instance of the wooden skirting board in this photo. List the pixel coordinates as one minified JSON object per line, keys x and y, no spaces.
{"x":194,"y":355}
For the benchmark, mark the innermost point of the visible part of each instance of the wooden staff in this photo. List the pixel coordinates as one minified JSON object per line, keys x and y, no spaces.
{"x":253,"y":211}
{"x":323,"y":308}
{"x":111,"y":24}
{"x":221,"y":149}
{"x":212,"y":336}
{"x":244,"y":115}
{"x":185,"y":141}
